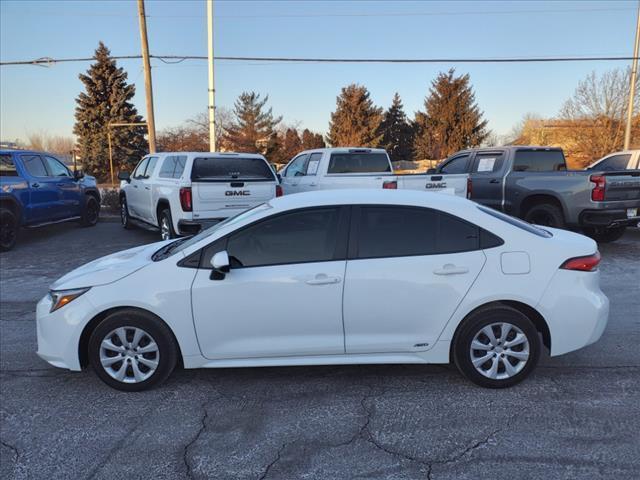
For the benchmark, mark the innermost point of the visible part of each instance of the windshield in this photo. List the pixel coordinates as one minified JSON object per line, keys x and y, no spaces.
{"x":183,"y":243}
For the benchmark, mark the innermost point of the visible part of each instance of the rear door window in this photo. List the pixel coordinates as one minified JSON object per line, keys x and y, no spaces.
{"x":34,"y":165}
{"x":487,"y":163}
{"x":7,"y":166}
{"x":312,"y":164}
{"x":456,"y":165}
{"x":539,"y":161}
{"x":357,"y":162}
{"x":173,"y":166}
{"x":220,"y":169}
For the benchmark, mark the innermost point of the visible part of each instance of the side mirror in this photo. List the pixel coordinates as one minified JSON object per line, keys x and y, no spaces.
{"x":431,"y":171}
{"x":78,"y":174}
{"x":220,"y":264}
{"x":126,"y":176}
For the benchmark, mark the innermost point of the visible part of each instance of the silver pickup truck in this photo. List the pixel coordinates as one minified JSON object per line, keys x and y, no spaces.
{"x":533,"y":183}
{"x":334,"y":168}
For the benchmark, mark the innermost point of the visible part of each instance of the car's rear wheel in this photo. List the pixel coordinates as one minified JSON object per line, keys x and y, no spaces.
{"x":166,"y":225}
{"x":545,"y":214}
{"x":497,"y":347}
{"x":605,"y":235}
{"x":132,"y":350}
{"x":8,"y":229}
{"x":90,"y":212}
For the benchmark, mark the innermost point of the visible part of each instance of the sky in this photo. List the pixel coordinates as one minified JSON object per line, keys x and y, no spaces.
{"x":42,"y":99}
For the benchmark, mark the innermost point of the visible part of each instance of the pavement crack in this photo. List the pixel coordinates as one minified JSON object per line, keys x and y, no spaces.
{"x":13,"y":448}
{"x":273,"y":462}
{"x":185,"y":452}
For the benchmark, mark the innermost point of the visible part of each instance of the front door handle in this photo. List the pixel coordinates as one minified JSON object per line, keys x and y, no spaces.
{"x":135,"y":186}
{"x":61,"y":184}
{"x":35,"y":185}
{"x":494,"y":180}
{"x":451,"y":269}
{"x":322,"y":279}
{"x":313,"y":184}
{"x":147,"y":188}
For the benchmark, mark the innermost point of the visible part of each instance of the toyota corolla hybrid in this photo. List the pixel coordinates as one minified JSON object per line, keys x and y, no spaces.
{"x":335,"y":277}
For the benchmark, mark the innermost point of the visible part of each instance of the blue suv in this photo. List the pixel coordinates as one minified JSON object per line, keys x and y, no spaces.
{"x":38,"y":189}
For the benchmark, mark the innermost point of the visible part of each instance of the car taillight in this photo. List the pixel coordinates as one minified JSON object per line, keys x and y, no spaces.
{"x":597,"y":192}
{"x":185,"y":199}
{"x":279,"y":191}
{"x":390,"y":185}
{"x":582,"y":264}
{"x":469,"y":187}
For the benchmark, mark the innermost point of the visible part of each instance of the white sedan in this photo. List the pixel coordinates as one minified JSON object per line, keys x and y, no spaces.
{"x":335,"y":277}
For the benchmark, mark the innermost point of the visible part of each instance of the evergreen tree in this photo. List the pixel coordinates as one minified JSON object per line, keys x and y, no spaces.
{"x":291,"y":144}
{"x":312,"y":140}
{"x":397,"y":133}
{"x":107,"y":99}
{"x":253,"y":126}
{"x":356,"y":121}
{"x":451,"y":121}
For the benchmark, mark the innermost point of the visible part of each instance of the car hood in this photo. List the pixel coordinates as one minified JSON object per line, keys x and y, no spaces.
{"x":109,"y":269}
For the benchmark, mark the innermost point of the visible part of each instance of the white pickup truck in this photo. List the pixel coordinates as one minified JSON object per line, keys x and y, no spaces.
{"x":334,"y":168}
{"x":181,"y":193}
{"x":626,"y":160}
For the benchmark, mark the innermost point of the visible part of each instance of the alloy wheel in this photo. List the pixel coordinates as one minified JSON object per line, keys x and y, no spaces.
{"x":499,"y":351}
{"x":129,"y":354}
{"x":165,"y":230}
{"x":124,"y":214}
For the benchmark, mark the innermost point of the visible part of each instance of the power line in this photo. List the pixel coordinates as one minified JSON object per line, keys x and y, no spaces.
{"x":47,"y":61}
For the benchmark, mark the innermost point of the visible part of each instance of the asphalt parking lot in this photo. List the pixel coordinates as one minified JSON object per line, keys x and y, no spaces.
{"x":578,"y":416}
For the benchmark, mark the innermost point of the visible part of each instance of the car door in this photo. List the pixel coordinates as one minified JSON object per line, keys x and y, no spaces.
{"x":408,"y":268}
{"x":69,"y":191}
{"x":135,"y":190}
{"x":45,"y":202}
{"x":145,"y":206}
{"x":293,"y":173}
{"x":487,"y":178}
{"x":283,"y":293}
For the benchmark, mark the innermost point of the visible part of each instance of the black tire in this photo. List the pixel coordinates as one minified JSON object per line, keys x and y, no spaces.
{"x":156,"y":329}
{"x":90,"y":211}
{"x":473,"y":325}
{"x":8,"y":229}
{"x":125,"y":219}
{"x":166,"y":225}
{"x":605,"y":235}
{"x":545,"y":214}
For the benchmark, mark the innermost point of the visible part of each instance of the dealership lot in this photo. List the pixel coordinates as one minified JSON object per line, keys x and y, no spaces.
{"x":577,"y":416}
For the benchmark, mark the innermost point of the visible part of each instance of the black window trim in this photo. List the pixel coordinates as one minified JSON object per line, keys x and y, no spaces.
{"x":273,"y":178}
{"x":355,"y":233}
{"x":502,"y":155}
{"x":339,"y":254}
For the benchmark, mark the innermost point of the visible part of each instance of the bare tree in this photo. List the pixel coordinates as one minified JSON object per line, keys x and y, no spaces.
{"x":224,"y":118}
{"x":57,"y":144}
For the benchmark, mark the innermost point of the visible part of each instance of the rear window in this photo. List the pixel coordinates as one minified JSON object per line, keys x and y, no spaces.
{"x":359,"y":162}
{"x":516,"y":222}
{"x":217,"y":169}
{"x":173,"y":166}
{"x":7,"y":167}
{"x":539,"y":161}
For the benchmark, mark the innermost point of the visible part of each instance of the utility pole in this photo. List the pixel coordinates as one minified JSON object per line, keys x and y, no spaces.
{"x":632,"y":88}
{"x":212,"y":90}
{"x":147,"y":77}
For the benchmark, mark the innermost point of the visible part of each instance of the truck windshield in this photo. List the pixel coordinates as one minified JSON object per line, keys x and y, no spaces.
{"x":539,"y":161}
{"x":359,"y":162}
{"x":223,"y":169}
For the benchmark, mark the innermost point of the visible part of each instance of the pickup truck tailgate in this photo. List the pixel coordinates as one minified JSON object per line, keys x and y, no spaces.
{"x":453,"y":184}
{"x":622,"y":185}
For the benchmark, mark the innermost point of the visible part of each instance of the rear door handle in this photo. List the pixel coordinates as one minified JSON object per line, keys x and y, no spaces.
{"x":146,"y":188}
{"x":135,"y":186}
{"x":35,"y":185}
{"x":494,"y":180}
{"x":313,"y":184}
{"x":60,"y":184}
{"x":322,"y":279}
{"x":451,"y":269}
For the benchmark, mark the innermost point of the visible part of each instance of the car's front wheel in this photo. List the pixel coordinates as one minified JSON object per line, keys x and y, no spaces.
{"x":125,"y":219}
{"x":497,"y":347}
{"x":90,"y":212}
{"x":132,"y":350}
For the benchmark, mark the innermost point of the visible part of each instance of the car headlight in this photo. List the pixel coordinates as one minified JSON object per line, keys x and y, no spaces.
{"x":59,"y":298}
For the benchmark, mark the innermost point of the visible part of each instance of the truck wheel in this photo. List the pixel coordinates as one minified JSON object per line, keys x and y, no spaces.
{"x":605,"y":235}
{"x":166,"y":225}
{"x":90,"y":212}
{"x":8,"y":229}
{"x":545,"y":214}
{"x":125,"y":219}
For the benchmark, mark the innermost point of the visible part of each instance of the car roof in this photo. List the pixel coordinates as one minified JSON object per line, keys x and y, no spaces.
{"x":345,"y":150}
{"x":370,"y":196}
{"x":210,"y":154}
{"x":5,"y":151}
